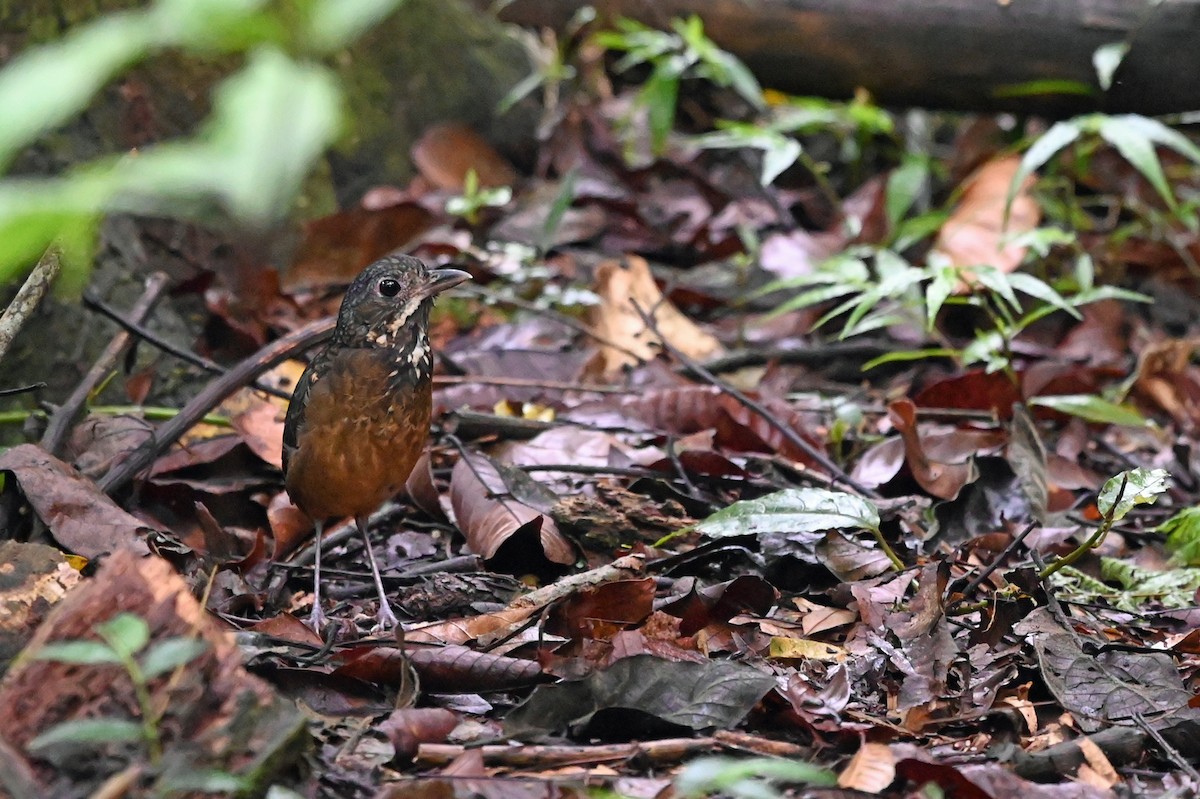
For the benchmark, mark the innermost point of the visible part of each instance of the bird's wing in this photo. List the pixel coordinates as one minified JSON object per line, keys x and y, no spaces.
{"x":293,"y":423}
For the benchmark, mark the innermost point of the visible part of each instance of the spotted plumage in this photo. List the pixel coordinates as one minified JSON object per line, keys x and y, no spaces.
{"x":359,"y":415}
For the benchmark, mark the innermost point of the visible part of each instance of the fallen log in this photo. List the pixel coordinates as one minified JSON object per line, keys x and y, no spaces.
{"x":986,"y":55}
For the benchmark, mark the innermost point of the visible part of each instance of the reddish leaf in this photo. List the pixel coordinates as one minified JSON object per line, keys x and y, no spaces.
{"x":943,"y":480}
{"x":446,"y":152}
{"x":457,"y":669}
{"x":410,"y":727}
{"x":489,"y":516}
{"x":80,"y":517}
{"x":337,"y":247}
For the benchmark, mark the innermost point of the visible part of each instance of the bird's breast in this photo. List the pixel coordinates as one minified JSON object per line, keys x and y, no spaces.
{"x":364,"y":426}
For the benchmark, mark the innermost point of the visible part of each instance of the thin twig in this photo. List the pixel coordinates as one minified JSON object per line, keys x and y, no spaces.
{"x":998,"y":560}
{"x":562,"y":319}
{"x":1171,"y":752}
{"x":94,"y":303}
{"x":520,"y":382}
{"x":217,"y":390}
{"x":835,"y":471}
{"x":10,"y":392}
{"x":68,"y":412}
{"x":28,"y":298}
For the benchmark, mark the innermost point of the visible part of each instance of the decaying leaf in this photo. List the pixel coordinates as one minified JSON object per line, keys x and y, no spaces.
{"x":621,"y":285}
{"x":977,"y":232}
{"x":80,"y":517}
{"x":489,"y":515}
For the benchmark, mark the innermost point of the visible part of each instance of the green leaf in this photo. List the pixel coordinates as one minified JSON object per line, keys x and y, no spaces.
{"x":1106,"y":59}
{"x":1137,"y":148}
{"x":904,"y":186}
{"x":1043,"y":88}
{"x":46,"y":86}
{"x":937,"y":292}
{"x":270,"y":122}
{"x":126,"y":633}
{"x":1159,"y":133}
{"x":659,"y":95}
{"x":812,"y":297}
{"x":218,"y":26}
{"x":1048,"y":144}
{"x":910,"y":355}
{"x":793,"y":510}
{"x":1092,"y":408}
{"x":169,"y":654}
{"x":203,"y":781}
{"x":1039,"y":289}
{"x":1183,"y":536}
{"x":1134,"y":487}
{"x":88,"y":731}
{"x":998,"y":283}
{"x":336,"y":23}
{"x":80,"y":652}
{"x":705,"y":776}
{"x":1040,"y":240}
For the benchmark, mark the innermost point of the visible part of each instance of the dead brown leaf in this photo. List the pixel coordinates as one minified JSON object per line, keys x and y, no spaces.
{"x":872,"y":769}
{"x":446,"y":152}
{"x":943,"y":480}
{"x":620,"y":285}
{"x":976,"y":232}
{"x":490,"y":517}
{"x":80,"y":517}
{"x":337,"y":247}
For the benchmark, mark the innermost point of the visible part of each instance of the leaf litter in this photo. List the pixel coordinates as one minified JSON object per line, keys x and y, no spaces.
{"x":622,"y":549}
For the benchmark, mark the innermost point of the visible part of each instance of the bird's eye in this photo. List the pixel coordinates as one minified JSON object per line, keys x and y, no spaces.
{"x":389,"y":287}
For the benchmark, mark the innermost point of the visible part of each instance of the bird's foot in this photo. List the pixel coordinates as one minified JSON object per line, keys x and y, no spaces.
{"x":317,"y":619}
{"x":385,"y":619}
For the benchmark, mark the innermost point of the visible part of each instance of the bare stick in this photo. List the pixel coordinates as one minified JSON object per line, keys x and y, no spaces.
{"x":169,"y":432}
{"x":28,"y":298}
{"x":834,"y":471}
{"x":94,"y":303}
{"x":64,"y":417}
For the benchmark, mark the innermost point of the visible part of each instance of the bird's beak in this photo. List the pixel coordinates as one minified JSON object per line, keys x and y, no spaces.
{"x":442,"y":279}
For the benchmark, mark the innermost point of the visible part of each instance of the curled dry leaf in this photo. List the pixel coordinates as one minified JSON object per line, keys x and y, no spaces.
{"x":872,"y":769}
{"x":1166,"y":378}
{"x":459,"y":669}
{"x":446,"y":152}
{"x":943,"y":480}
{"x":977,"y":232}
{"x":80,"y":517}
{"x":489,"y":516}
{"x":288,"y":523}
{"x":620,"y":285}
{"x":410,"y":727}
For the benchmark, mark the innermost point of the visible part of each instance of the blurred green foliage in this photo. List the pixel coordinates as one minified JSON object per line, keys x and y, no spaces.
{"x":269,"y":123}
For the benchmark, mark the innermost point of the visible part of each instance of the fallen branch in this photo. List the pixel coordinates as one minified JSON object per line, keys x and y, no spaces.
{"x":169,"y":432}
{"x":28,"y":298}
{"x":62,"y":419}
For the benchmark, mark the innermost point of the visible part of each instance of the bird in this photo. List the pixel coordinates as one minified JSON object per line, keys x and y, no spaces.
{"x":360,"y":413}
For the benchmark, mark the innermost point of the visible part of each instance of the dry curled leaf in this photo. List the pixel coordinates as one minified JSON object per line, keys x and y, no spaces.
{"x":490,"y":516}
{"x":624,"y":287}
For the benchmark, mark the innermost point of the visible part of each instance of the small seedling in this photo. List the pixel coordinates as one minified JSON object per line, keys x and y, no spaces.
{"x":475,"y":198}
{"x":1117,"y":497}
{"x":124,"y":641}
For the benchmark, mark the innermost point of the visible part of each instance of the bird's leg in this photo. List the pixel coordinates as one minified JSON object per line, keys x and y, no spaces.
{"x":385,"y":618}
{"x":317,"y":619}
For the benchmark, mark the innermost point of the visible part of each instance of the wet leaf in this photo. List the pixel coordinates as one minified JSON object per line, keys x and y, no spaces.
{"x":1138,"y":486}
{"x":696,"y":696}
{"x":793,"y":510}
